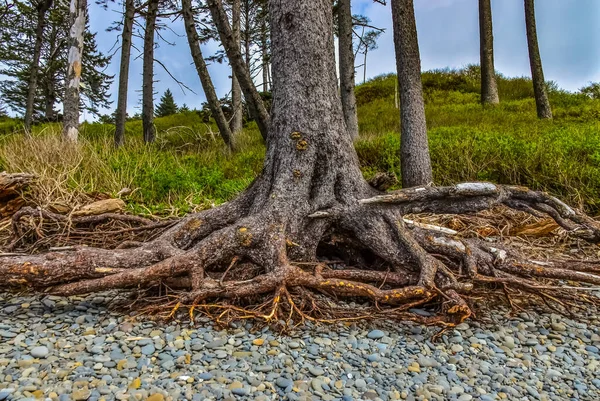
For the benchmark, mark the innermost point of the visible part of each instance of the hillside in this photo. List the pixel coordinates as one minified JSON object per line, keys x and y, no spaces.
{"x":189,"y":168}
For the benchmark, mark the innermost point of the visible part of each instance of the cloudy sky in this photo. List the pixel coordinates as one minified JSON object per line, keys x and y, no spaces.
{"x":568,"y":32}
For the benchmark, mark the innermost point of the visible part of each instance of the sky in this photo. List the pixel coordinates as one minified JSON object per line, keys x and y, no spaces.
{"x":448,"y":31}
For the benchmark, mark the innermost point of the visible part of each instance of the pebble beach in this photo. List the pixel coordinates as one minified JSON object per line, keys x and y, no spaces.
{"x":77,"y":348}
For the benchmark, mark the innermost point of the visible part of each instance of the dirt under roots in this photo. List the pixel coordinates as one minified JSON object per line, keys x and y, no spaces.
{"x":449,"y":249}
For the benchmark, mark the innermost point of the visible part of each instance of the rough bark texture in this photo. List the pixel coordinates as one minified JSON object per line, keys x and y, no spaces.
{"x":121,"y":113}
{"x":415,"y":160}
{"x":311,"y":202}
{"x":489,"y":88}
{"x":240,"y":68}
{"x":42,"y":8}
{"x":77,"y":17}
{"x":535,"y":61}
{"x":203,"y":74}
{"x":346,"y":60}
{"x":236,"y":91}
{"x":148,"y":74}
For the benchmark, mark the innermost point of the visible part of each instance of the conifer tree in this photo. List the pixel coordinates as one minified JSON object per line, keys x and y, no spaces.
{"x":167,"y":105}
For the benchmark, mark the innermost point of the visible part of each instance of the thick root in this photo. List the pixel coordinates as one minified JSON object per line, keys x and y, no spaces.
{"x":395,"y":264}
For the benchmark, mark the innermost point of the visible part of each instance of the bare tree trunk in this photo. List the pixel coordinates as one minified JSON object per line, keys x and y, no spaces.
{"x":148,"y":74}
{"x":415,"y":160}
{"x":240,"y":68}
{"x":121,"y":113}
{"x":264,"y":49}
{"x":236,"y":91}
{"x":489,"y":88}
{"x":202,"y":70}
{"x":537,"y":72}
{"x":50,"y":90}
{"x":346,"y":57}
{"x":77,"y":17}
{"x":247,"y":34}
{"x":42,"y":8}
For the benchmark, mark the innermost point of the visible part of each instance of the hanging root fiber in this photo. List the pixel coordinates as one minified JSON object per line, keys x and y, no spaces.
{"x":444,"y":249}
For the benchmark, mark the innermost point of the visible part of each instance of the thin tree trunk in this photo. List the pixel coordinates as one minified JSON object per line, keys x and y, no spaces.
{"x":415,"y":159}
{"x":50,"y":88}
{"x":236,"y":91}
{"x":489,"y":88}
{"x":77,"y":17}
{"x":264,"y":49}
{"x":537,"y":72}
{"x":42,"y":8}
{"x":148,"y":74}
{"x":240,"y":68}
{"x":346,"y":57}
{"x":121,"y":113}
{"x":202,"y":70}
{"x":247,"y":34}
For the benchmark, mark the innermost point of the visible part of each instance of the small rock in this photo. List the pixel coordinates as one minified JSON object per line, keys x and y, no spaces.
{"x":375,"y":334}
{"x":39,"y":352}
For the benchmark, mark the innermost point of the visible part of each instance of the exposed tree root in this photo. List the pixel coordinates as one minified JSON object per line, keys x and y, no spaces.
{"x":230,"y":262}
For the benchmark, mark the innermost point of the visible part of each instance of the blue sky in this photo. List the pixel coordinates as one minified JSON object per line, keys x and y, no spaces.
{"x":568,"y":33}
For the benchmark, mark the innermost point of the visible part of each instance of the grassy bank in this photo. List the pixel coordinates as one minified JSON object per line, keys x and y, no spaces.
{"x":189,"y":168}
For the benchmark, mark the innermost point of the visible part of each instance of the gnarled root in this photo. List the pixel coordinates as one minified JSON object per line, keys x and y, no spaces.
{"x":228,"y":262}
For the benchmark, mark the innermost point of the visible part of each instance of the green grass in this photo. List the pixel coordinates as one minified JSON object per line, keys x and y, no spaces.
{"x":189,"y":167}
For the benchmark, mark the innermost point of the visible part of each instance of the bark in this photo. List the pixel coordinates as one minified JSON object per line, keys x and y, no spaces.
{"x":535,"y":61}
{"x":236,"y":91}
{"x":264,"y":50}
{"x":148,"y":74}
{"x":415,"y":160}
{"x":50,"y":90}
{"x":121,"y":113}
{"x":203,"y":74}
{"x":240,"y":68}
{"x":42,"y":8}
{"x":489,"y":88}
{"x":346,"y":57}
{"x":77,"y":17}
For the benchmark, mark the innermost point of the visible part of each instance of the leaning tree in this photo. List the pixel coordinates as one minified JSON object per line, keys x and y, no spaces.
{"x":311,"y":202}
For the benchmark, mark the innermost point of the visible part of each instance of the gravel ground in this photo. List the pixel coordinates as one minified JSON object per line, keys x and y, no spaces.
{"x":75,"y":349}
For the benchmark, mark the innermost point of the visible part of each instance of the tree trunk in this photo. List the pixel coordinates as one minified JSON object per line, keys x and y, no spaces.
{"x":310,"y":205}
{"x":537,"y":73}
{"x":415,"y":160}
{"x":50,"y":89}
{"x":202,"y":70}
{"x":236,"y":91}
{"x":42,"y":8}
{"x":489,"y":89}
{"x":346,"y":57}
{"x":121,"y":113}
{"x":148,"y":74}
{"x":77,"y":17}
{"x":247,"y":34}
{"x":239,"y":67}
{"x":264,"y":50}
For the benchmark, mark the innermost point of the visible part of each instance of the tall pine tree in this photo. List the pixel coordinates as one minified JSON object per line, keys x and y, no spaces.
{"x":167,"y":105}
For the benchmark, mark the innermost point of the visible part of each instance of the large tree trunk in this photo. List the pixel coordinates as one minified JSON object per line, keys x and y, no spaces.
{"x":414,"y":153}
{"x":236,"y":91}
{"x":537,"y":73}
{"x":489,"y":89}
{"x":148,"y":74}
{"x":42,"y":8}
{"x":77,"y":17}
{"x":311,"y":204}
{"x":240,"y":68}
{"x":203,"y":74}
{"x":346,"y":57}
{"x":121,"y":113}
